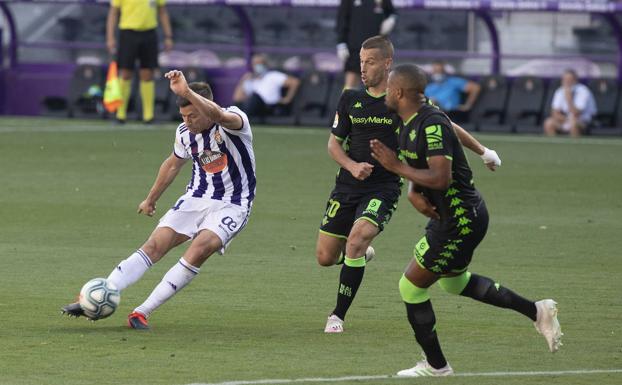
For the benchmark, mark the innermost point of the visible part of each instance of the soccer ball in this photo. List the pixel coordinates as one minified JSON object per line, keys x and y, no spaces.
{"x":99,"y":298}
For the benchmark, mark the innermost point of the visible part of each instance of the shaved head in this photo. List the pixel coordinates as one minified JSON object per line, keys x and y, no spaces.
{"x":405,"y":87}
{"x":411,"y":79}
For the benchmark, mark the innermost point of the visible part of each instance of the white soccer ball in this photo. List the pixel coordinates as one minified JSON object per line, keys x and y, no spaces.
{"x":99,"y":298}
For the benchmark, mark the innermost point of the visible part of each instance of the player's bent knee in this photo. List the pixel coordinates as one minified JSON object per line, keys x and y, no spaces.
{"x":455,"y":285}
{"x":324,"y":258}
{"x":411,"y":293}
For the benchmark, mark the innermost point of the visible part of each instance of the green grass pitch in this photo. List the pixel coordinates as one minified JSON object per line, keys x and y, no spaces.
{"x":68,"y":196}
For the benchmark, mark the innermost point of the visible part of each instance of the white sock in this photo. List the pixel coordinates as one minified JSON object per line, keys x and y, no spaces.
{"x":130,"y":270}
{"x":173,"y":281}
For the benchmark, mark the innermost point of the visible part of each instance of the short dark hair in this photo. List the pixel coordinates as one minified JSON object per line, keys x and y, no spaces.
{"x":200,"y":88}
{"x":382,"y":43}
{"x":412,"y":79}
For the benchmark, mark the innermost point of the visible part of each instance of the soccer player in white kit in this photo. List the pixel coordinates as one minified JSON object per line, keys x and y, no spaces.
{"x":215,"y":207}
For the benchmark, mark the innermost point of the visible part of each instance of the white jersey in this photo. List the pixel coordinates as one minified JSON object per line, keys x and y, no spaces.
{"x":223,"y":164}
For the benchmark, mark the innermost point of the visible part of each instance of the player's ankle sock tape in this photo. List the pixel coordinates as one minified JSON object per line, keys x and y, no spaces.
{"x":455,"y":285}
{"x":355,"y":262}
{"x":423,"y":322}
{"x":485,"y":290}
{"x":411,"y":293}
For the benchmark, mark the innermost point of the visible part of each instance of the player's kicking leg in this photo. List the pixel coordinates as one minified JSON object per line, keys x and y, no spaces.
{"x":178,"y":277}
{"x":542,"y":313}
{"x":211,"y":233}
{"x":131,"y":269}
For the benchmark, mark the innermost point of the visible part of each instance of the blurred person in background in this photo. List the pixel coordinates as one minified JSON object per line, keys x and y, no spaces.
{"x":572,"y":108}
{"x":358,"y":20}
{"x":260,"y":91}
{"x":138,"y":41}
{"x":446,"y":92}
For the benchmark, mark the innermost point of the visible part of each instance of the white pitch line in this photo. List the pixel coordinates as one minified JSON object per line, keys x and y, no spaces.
{"x":389,"y":377}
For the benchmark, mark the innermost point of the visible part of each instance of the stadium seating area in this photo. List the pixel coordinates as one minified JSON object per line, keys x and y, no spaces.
{"x":210,"y":40}
{"x":505,"y":104}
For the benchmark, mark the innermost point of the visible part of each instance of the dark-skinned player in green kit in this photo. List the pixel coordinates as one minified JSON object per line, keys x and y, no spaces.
{"x":442,"y":188}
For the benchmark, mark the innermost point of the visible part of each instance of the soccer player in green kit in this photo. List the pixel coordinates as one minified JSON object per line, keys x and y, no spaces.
{"x":442,"y":188}
{"x":365,"y":194}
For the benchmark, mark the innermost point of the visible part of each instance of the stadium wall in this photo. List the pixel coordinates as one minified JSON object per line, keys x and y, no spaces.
{"x":45,"y":79}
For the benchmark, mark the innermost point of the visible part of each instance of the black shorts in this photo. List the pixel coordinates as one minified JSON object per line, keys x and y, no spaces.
{"x":446,"y":252}
{"x":343,"y":209}
{"x":353,"y":63}
{"x":137,"y":45}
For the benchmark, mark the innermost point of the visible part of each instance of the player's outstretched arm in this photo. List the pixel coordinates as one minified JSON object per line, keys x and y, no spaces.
{"x":358,"y":170}
{"x":166,"y":175}
{"x":206,"y":107}
{"x":437,"y":176}
{"x":490,"y":157}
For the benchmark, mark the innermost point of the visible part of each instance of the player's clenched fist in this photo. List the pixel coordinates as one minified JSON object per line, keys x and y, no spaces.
{"x":179,"y":85}
{"x":147,"y":207}
{"x":361,"y":170}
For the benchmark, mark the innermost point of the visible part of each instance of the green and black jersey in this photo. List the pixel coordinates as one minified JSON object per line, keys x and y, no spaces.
{"x":429,"y":133}
{"x":361,"y":117}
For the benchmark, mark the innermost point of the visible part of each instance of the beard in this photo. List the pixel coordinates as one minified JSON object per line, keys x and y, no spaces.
{"x":390,"y":105}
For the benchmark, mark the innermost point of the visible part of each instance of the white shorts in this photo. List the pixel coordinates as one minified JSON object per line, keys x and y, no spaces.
{"x":224,"y":219}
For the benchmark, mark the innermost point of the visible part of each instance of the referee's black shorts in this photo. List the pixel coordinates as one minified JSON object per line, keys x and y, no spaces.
{"x":137,"y":45}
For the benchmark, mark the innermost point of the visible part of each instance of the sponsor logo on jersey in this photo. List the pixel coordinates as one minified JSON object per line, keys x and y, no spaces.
{"x":358,"y":105}
{"x":371,"y":120}
{"x":409,"y":154}
{"x":434,"y":137}
{"x":213,"y":161}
